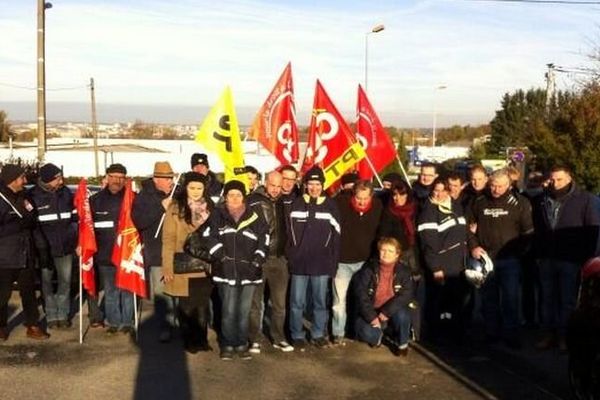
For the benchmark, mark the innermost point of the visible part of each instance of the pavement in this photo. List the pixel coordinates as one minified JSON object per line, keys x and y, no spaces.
{"x":121,"y":367}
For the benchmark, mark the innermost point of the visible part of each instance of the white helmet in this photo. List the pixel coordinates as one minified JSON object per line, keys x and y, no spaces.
{"x":478,"y":269}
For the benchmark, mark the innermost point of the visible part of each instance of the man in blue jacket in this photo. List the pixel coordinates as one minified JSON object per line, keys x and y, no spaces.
{"x":567,"y":223}
{"x":106,"y":207}
{"x":148,"y":211}
{"x":16,"y":259}
{"x":313,"y":246}
{"x":55,"y":240}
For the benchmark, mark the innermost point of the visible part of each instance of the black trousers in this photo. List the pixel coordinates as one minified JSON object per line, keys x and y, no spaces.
{"x":446,"y":307}
{"x":193,"y":311}
{"x":25,"y":278}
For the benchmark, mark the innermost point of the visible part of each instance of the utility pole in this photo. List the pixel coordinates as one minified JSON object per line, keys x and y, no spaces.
{"x":94,"y":127}
{"x":41,"y":77}
{"x":550,"y":84}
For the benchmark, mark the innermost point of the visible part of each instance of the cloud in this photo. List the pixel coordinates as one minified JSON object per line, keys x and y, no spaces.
{"x":153,"y":52}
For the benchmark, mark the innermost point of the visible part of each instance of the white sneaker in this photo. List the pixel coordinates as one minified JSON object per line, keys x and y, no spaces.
{"x":254,"y":348}
{"x":283,"y":346}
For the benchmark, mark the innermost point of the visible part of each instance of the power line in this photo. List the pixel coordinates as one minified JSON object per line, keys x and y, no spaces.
{"x":567,"y":2}
{"x":47,"y":89}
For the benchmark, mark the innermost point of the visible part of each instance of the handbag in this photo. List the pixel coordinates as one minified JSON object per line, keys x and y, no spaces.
{"x":183,"y":263}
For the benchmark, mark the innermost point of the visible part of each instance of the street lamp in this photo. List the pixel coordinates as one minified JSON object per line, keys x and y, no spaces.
{"x":376,"y":29}
{"x":440,"y":87}
{"x":41,"y":76}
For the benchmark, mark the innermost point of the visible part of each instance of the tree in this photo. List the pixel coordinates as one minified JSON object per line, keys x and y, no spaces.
{"x":4,"y":127}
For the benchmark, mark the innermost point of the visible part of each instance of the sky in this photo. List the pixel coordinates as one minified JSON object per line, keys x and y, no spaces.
{"x":165,"y":55}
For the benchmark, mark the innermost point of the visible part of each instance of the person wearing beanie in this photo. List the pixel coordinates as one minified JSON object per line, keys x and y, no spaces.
{"x":188,"y":213}
{"x":55,"y":241}
{"x":239,"y":238}
{"x":17,"y":220}
{"x":313,"y":245}
{"x":106,"y":208}
{"x":148,"y":210}
{"x":199,"y":164}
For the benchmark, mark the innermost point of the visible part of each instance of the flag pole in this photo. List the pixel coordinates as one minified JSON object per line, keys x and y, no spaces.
{"x":374,"y":170}
{"x":162,"y":218}
{"x":135,"y":316}
{"x":80,"y":301}
{"x":403,"y":171}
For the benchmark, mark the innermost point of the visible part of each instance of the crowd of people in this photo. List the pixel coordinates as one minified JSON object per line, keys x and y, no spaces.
{"x":406,"y":262}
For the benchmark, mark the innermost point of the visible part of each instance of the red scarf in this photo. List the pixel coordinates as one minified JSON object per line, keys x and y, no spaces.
{"x":360,"y":210}
{"x":406,"y":215}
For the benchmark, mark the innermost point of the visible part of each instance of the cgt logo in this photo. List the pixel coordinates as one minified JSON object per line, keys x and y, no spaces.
{"x":327,"y":128}
{"x":369,"y":128}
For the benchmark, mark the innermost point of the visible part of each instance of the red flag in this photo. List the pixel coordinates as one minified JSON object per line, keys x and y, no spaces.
{"x":275,"y":123}
{"x":127,"y":251}
{"x":328,"y":136}
{"x":375,"y":140}
{"x":87,"y":237}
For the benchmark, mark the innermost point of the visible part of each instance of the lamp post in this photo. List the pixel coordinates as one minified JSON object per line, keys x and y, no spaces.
{"x":376,"y":29}
{"x":41,"y":76}
{"x":440,"y":87}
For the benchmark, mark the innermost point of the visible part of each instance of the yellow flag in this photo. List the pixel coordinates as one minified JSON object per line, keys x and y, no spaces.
{"x":337,"y":168}
{"x":220,"y":134}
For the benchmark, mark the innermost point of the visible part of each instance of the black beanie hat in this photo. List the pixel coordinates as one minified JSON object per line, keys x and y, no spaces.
{"x":194,"y":177}
{"x":10,"y":172}
{"x":350,"y":177}
{"x":314,"y":174}
{"x":392,"y":177}
{"x":199,"y":158}
{"x":116,"y":168}
{"x":49,"y":172}
{"x":234,"y":184}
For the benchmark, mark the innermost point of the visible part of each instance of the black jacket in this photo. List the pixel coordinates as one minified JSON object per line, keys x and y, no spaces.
{"x":443,"y":238}
{"x":358,"y":231}
{"x":239,"y":249}
{"x":365,"y":288}
{"x":56,"y":231}
{"x":105,"y":208}
{"x":17,"y":221}
{"x":313,"y":232}
{"x":504,"y":225}
{"x":566,"y":228}
{"x":146,"y":213}
{"x":215,"y":187}
{"x":272,"y":211}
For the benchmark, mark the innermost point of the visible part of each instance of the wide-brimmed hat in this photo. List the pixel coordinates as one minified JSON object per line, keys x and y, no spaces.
{"x":162,"y":169}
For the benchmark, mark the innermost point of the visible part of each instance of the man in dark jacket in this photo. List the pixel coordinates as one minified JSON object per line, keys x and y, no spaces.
{"x":313,"y":251}
{"x":422,"y":187}
{"x":567,"y":221}
{"x":503,"y":229}
{"x":17,"y":220}
{"x":199,"y":162}
{"x":148,"y":211}
{"x":55,"y":239}
{"x":360,"y":214}
{"x":106,"y":207}
{"x":265,"y":200}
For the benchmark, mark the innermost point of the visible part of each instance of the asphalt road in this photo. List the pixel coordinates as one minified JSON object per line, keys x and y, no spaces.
{"x":119,"y":368}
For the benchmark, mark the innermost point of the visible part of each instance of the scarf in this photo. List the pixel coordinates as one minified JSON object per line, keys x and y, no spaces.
{"x":385,"y":287}
{"x":360,"y":210}
{"x":199,"y":210}
{"x":406,"y":215}
{"x":445,"y":207}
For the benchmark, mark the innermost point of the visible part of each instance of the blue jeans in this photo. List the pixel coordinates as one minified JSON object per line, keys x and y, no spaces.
{"x":344,"y":274}
{"x":164,"y":308}
{"x":118,"y":303}
{"x":235,"y":313}
{"x":559,"y":285}
{"x":397,"y":327}
{"x":500,"y":299}
{"x":58,"y":303}
{"x":320,"y":315}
